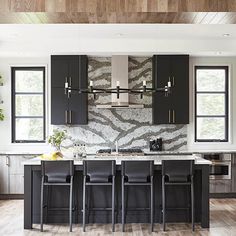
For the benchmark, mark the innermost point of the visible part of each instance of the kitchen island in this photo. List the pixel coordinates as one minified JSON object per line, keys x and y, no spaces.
{"x":100,"y":196}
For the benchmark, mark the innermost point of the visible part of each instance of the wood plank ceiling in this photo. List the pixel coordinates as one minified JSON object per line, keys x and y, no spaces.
{"x":118,"y":11}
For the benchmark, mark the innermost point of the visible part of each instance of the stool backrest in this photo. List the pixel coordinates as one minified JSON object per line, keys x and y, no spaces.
{"x":56,"y":171}
{"x":137,"y":171}
{"x":177,"y":167}
{"x":100,"y":169}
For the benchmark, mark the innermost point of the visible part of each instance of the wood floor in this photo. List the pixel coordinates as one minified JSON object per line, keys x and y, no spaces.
{"x":222,"y":223}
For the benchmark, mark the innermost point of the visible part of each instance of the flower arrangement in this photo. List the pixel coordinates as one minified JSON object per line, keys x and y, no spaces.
{"x":57,"y":137}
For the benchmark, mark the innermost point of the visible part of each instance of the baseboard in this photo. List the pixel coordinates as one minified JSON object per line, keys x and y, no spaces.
{"x":11,"y":196}
{"x":222,"y":195}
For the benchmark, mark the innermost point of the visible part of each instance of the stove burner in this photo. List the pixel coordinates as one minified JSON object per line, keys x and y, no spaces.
{"x":121,"y":151}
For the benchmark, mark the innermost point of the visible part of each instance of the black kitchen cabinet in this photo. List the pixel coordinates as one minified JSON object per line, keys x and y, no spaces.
{"x":71,"y":109}
{"x":172,"y":109}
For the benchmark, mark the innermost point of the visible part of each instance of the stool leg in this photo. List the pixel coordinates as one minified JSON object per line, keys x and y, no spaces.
{"x":163,"y":204}
{"x":151,"y":208}
{"x":48,"y":196}
{"x":41,"y":205}
{"x":70,"y":211}
{"x":84,"y":200}
{"x":192,"y":203}
{"x":113,"y":204}
{"x":123,"y":204}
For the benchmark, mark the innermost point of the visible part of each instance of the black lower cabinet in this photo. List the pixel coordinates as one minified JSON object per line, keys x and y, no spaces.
{"x":100,"y":197}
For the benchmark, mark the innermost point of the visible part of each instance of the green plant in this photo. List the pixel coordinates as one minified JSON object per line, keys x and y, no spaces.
{"x":1,"y":80}
{"x":57,"y":137}
{"x":1,"y":115}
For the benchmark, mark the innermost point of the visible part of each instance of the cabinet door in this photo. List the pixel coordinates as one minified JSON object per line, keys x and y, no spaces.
{"x":180,"y":90}
{"x":78,"y":109}
{"x":16,"y":173}
{"x":59,"y":106}
{"x":162,"y":105}
{"x":16,"y":184}
{"x":4,"y":174}
{"x":220,"y":186}
{"x":65,"y":68}
{"x":162,"y":112}
{"x":59,"y":71}
{"x":83,"y":71}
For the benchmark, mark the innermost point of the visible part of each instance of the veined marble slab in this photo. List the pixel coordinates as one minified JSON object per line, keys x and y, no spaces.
{"x":157,"y":159}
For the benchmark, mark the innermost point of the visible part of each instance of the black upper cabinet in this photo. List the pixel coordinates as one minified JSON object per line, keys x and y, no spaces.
{"x":173,"y":109}
{"x":70,"y":110}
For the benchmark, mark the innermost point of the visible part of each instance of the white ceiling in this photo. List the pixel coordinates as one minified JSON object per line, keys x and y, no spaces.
{"x":107,"y":39}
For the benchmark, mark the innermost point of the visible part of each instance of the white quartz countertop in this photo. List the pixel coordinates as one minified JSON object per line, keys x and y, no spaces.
{"x":157,"y":159}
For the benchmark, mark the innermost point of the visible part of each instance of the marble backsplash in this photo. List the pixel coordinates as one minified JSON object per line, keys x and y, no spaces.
{"x":132,"y":128}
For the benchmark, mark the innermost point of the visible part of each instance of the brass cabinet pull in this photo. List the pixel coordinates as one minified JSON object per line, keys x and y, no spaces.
{"x":173,"y":116}
{"x":169,"y":115}
{"x":66,"y":116}
{"x":70,"y":116}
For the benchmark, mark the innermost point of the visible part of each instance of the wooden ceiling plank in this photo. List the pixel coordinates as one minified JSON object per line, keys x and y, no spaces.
{"x":143,"y":6}
{"x":173,"y":6}
{"x":170,"y":17}
{"x":152,"y":6}
{"x":55,"y":5}
{"x":120,"y":7}
{"x":81,"y":6}
{"x":162,"y":5}
{"x":231,"y":5}
{"x":4,"y":6}
{"x":71,"y":6}
{"x":91,"y":6}
{"x":223,"y":5}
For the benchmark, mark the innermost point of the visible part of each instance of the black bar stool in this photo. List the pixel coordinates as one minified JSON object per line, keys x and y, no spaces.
{"x":99,"y":173}
{"x":57,"y":173}
{"x":138,"y":173}
{"x":177,"y":172}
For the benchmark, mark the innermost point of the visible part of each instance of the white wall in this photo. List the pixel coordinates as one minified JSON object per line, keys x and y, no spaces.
{"x":231,"y":62}
{"x":5,"y":93}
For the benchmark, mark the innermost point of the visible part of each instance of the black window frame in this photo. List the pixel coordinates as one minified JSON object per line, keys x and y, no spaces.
{"x":13,"y":95}
{"x":226,"y":92}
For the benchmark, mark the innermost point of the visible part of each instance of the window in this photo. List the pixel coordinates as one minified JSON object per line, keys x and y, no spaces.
{"x":211,"y":103}
{"x":28,"y":104}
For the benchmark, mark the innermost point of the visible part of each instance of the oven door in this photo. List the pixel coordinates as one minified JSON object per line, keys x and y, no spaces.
{"x":220,"y":170}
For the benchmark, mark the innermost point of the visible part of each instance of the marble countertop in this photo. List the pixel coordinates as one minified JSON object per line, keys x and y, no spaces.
{"x":186,"y":152}
{"x":157,"y":159}
{"x":146,"y":152}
